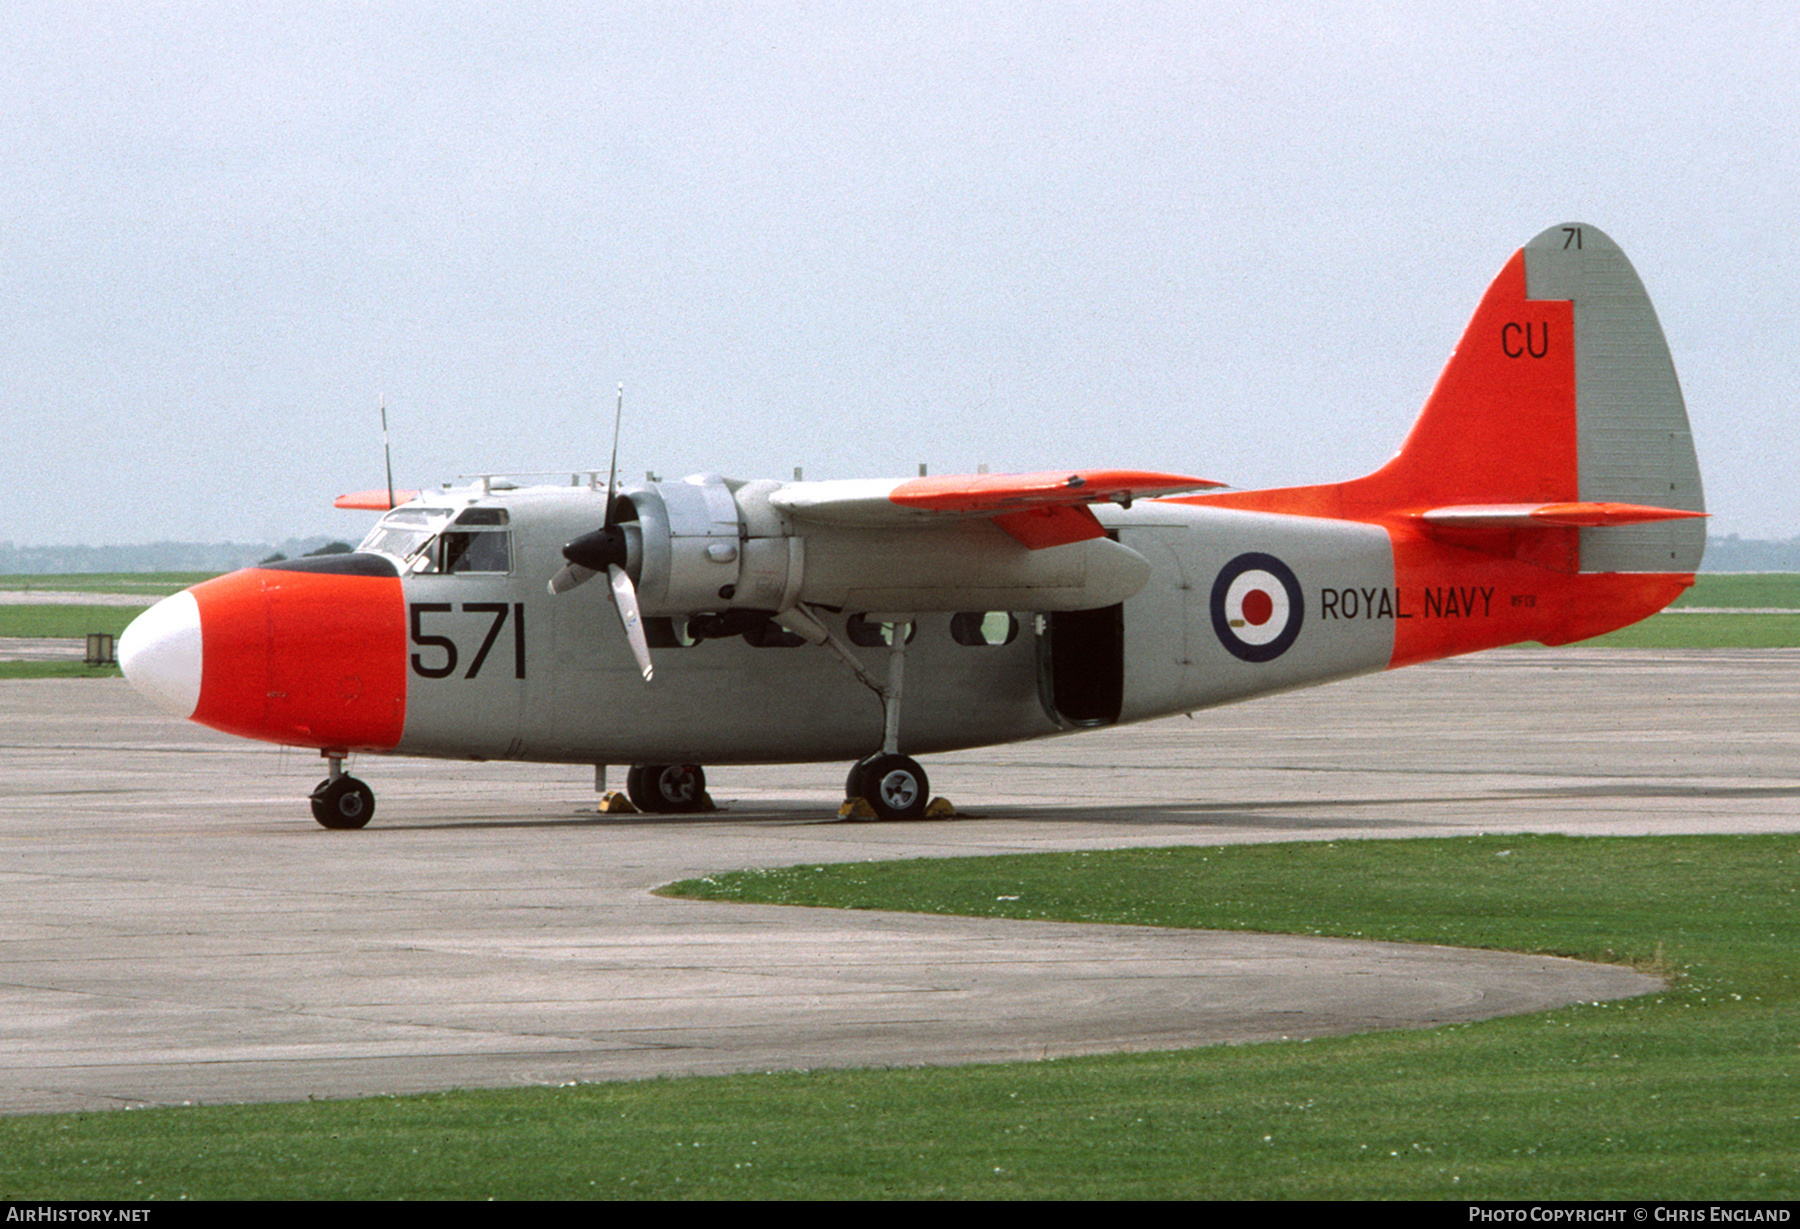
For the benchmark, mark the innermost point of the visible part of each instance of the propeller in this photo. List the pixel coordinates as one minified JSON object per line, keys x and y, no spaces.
{"x":606,"y":549}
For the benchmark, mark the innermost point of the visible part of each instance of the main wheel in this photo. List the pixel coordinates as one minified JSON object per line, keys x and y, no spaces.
{"x":666,"y":789}
{"x":343,"y":803}
{"x":894,"y":785}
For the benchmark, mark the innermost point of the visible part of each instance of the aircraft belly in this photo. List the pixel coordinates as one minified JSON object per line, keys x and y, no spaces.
{"x":726,"y":701}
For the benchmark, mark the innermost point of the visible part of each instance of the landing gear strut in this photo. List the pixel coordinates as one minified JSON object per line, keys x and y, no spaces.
{"x":341,"y":801}
{"x":892,"y":784}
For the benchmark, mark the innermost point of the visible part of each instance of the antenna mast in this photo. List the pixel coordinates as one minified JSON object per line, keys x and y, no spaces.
{"x":387,"y":454}
{"x":612,"y":472}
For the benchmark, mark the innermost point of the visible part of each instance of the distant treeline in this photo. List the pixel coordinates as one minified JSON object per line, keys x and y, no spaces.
{"x":1723,"y":554}
{"x":1734,"y":554}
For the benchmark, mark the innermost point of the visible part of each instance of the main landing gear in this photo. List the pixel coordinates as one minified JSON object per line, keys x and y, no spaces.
{"x":894,"y":786}
{"x":667,"y":789}
{"x":890,"y":786}
{"x":341,"y":801}
{"x":886,"y":785}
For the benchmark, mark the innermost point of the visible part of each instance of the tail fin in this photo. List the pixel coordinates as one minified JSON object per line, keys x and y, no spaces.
{"x":1559,"y":407}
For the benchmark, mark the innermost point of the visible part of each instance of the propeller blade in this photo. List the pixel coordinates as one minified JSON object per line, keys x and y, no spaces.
{"x":568,"y":576}
{"x":625,"y":598}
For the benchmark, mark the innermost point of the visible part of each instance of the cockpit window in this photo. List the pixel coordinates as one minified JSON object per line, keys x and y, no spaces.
{"x":401,"y":532}
{"x":476,"y":541}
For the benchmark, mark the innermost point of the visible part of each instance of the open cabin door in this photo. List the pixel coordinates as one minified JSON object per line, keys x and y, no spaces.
{"x":1081,"y":665}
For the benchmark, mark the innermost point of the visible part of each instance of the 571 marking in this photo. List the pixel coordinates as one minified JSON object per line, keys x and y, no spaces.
{"x":445,"y":645}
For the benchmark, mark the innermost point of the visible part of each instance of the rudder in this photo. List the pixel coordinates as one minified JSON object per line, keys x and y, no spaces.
{"x":1633,"y":442}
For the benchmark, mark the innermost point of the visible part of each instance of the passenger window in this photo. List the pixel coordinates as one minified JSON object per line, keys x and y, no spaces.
{"x":868,"y":634}
{"x":771,"y":635}
{"x":977,"y":628}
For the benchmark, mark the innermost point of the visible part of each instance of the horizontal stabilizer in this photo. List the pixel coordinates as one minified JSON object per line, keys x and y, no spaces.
{"x":1579,"y":515}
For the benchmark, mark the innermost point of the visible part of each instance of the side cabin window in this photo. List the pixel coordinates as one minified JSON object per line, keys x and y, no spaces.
{"x":983,"y":627}
{"x":771,"y":635}
{"x":865,"y":632}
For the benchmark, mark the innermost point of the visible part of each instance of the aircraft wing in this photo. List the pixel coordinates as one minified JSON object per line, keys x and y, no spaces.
{"x":1039,"y":510}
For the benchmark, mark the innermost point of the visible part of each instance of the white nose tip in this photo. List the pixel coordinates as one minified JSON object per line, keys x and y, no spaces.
{"x":160,"y":654}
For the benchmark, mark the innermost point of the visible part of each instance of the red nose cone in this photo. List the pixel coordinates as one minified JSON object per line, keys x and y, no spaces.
{"x":306,"y":658}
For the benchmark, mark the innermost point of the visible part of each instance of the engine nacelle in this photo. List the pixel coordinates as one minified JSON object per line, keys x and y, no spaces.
{"x":689,"y":545}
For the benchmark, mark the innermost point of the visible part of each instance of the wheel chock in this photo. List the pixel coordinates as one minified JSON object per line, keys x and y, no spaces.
{"x":859,"y":810}
{"x":940,"y":808}
{"x":614,"y":802}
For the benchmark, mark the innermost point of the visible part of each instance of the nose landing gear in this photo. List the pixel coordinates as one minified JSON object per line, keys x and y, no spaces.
{"x":340,"y":800}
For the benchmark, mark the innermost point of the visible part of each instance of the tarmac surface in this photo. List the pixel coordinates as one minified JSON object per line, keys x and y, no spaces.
{"x":176,"y":929}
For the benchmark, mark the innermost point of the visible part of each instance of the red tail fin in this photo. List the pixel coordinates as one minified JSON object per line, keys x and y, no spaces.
{"x":1561,"y":392}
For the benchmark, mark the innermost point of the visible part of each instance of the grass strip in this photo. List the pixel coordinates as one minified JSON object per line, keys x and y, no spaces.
{"x":1752,"y":590}
{"x":1705,"y":631}
{"x":149,"y":584}
{"x":56,"y":670}
{"x":65,"y":622}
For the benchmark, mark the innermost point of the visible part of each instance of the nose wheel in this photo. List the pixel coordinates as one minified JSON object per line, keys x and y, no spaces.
{"x":343,"y":802}
{"x":340,"y":800}
{"x":894,"y":786}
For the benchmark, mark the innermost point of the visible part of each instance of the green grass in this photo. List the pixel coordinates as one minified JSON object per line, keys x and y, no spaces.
{"x":150,"y":584}
{"x":1705,"y":631}
{"x":1750,"y":591}
{"x":1767,"y":590}
{"x":65,"y":622}
{"x":73,"y":620}
{"x":1691,"y":1093}
{"x":56,"y":670}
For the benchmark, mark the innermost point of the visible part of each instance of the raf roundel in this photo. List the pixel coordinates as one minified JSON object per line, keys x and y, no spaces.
{"x":1257,"y":608}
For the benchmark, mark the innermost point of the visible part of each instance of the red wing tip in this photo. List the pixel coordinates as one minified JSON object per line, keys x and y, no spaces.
{"x":373,"y":501}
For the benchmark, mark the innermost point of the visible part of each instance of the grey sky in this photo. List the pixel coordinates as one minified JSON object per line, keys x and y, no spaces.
{"x":1231,"y":240}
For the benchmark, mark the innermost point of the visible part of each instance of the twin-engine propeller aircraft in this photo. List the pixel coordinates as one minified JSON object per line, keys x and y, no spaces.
{"x":1548,"y":492}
